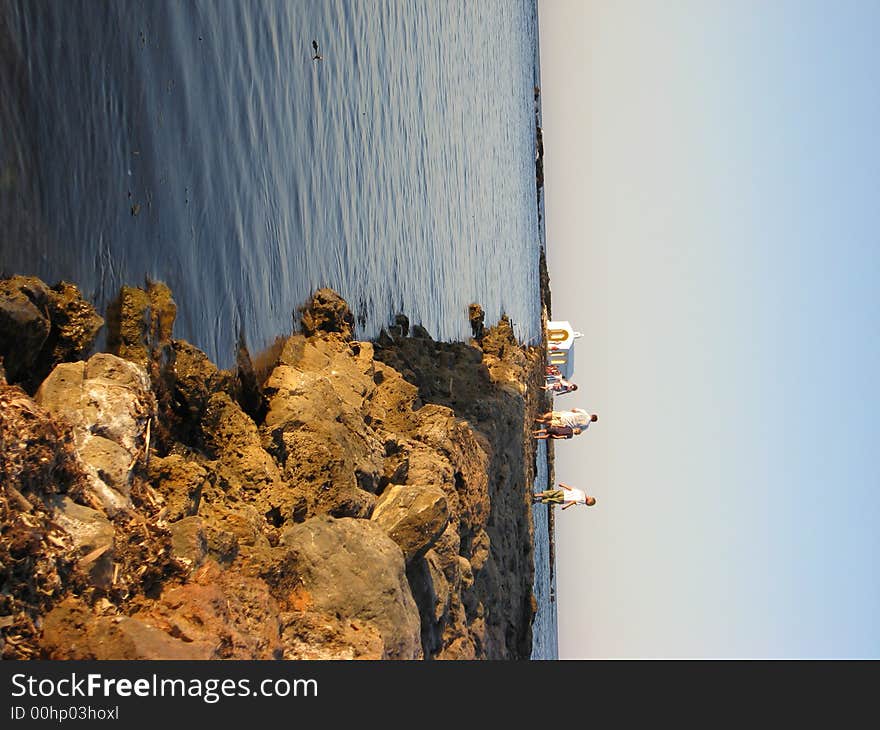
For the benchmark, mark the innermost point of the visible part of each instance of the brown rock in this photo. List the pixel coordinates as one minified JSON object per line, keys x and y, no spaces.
{"x":477,"y":317}
{"x":180,"y":481}
{"x":71,"y":631}
{"x":42,"y":326}
{"x":327,"y":312}
{"x":24,"y":324}
{"x":108,"y":402}
{"x":351,"y":568}
{"x":90,"y":532}
{"x":233,"y":613}
{"x":75,"y":324}
{"x":189,"y":542}
{"x":310,"y":635}
{"x":414,"y":517}
{"x":195,"y":379}
{"x":106,"y":396}
{"x":316,"y":426}
{"x":140,"y":323}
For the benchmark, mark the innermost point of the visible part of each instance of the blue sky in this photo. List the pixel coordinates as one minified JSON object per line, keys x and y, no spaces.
{"x":713,"y":225}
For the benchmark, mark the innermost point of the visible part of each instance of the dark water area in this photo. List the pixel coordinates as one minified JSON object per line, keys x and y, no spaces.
{"x":198,"y":143}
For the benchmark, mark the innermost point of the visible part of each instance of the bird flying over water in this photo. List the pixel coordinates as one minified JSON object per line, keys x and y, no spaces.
{"x":317,"y":56}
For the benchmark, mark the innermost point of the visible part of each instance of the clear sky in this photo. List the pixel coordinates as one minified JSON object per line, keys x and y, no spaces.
{"x":713,"y":227}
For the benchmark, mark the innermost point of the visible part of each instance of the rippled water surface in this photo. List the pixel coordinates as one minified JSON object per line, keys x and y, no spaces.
{"x":200,"y":144}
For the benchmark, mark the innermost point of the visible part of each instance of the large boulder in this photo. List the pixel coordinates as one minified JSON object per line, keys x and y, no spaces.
{"x":414,"y":517}
{"x":108,"y":402}
{"x":352,"y":569}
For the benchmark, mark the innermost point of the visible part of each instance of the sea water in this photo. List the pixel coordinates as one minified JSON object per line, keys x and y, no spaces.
{"x":200,"y":144}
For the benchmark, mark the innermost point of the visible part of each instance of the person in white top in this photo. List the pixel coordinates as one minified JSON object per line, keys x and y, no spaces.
{"x":574,"y":418}
{"x":571,"y":496}
{"x":560,"y":386}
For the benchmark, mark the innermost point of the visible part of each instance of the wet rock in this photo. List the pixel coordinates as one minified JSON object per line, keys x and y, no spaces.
{"x":353,"y":569}
{"x":477,"y":318}
{"x":401,"y":324}
{"x":414,"y":517}
{"x":140,"y":323}
{"x":42,"y":326}
{"x":128,"y":325}
{"x":75,"y":324}
{"x":327,"y":312}
{"x":248,"y":391}
{"x":24,"y":324}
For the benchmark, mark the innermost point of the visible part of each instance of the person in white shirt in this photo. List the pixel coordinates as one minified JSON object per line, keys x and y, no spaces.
{"x":568,"y":498}
{"x":574,"y":418}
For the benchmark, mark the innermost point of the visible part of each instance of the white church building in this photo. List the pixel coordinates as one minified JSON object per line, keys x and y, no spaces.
{"x":560,"y":346}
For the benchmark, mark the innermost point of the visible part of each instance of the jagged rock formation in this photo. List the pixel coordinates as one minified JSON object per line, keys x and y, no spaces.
{"x":353,"y":500}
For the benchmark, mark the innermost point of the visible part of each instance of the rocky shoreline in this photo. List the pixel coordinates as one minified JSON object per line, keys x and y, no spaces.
{"x":326,"y":499}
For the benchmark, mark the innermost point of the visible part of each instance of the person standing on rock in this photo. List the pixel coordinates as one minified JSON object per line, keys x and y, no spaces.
{"x":553,"y":431}
{"x":576,"y":418}
{"x":567,"y":498}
